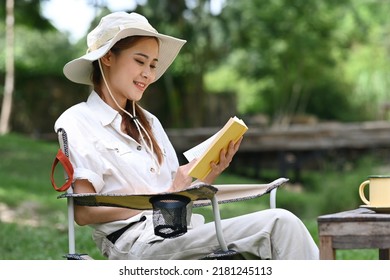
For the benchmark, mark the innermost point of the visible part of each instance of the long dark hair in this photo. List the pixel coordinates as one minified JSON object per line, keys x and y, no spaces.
{"x":130,"y":126}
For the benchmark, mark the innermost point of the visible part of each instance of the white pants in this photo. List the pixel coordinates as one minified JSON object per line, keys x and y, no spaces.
{"x":268,"y":234}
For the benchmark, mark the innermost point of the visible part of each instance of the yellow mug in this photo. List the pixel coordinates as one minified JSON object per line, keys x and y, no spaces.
{"x":379,"y":191}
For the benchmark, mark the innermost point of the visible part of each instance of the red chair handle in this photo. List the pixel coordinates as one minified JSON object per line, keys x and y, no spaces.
{"x":64,"y":160}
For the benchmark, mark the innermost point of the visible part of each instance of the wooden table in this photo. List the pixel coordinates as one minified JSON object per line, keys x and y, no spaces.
{"x":355,"y":229}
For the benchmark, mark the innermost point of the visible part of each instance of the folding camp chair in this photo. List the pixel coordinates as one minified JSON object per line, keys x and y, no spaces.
{"x":200,"y":195}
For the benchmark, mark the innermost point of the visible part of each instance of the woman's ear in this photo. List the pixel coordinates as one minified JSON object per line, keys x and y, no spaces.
{"x":107,"y":58}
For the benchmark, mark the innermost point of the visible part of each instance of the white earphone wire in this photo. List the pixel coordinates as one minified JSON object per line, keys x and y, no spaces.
{"x":139,"y":126}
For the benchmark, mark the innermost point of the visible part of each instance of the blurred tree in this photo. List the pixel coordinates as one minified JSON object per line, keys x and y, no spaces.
{"x":10,"y":73}
{"x":22,"y":13}
{"x":368,"y":64}
{"x":39,"y":52}
{"x":28,"y":13}
{"x":289,"y":48}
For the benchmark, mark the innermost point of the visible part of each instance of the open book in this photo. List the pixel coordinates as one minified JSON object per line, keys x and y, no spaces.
{"x":209,"y":150}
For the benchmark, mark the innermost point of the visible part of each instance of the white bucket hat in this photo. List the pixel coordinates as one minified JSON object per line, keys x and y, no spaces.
{"x":110,"y":30}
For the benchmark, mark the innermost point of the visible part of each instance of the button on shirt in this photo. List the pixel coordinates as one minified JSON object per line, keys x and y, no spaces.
{"x":110,"y":159}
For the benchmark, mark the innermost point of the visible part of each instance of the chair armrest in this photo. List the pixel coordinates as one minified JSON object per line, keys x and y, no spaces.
{"x":237,"y":192}
{"x":199,"y":191}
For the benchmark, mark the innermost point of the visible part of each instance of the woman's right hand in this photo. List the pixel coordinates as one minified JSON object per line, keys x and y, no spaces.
{"x":182,"y":180}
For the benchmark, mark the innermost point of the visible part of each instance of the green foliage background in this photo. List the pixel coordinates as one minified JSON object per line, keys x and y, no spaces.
{"x":280,"y":59}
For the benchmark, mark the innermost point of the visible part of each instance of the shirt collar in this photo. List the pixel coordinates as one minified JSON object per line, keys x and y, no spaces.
{"x":105,"y":113}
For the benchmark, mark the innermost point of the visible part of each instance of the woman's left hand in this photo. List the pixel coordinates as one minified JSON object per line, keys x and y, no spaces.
{"x":225,"y":157}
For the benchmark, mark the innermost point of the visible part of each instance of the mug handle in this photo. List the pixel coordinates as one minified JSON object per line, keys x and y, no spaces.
{"x":361,"y":192}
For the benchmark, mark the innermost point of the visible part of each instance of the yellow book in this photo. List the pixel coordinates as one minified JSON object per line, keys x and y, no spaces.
{"x":209,"y":150}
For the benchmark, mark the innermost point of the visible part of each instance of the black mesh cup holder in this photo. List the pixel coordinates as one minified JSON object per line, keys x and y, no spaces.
{"x":170,"y":215}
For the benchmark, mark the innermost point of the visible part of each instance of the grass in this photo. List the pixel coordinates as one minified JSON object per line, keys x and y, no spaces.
{"x":33,"y":222}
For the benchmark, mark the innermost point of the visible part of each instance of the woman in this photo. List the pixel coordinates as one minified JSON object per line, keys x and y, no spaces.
{"x":118,"y":147}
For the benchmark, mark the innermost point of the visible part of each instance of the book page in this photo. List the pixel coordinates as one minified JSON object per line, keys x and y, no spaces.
{"x":199,"y":150}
